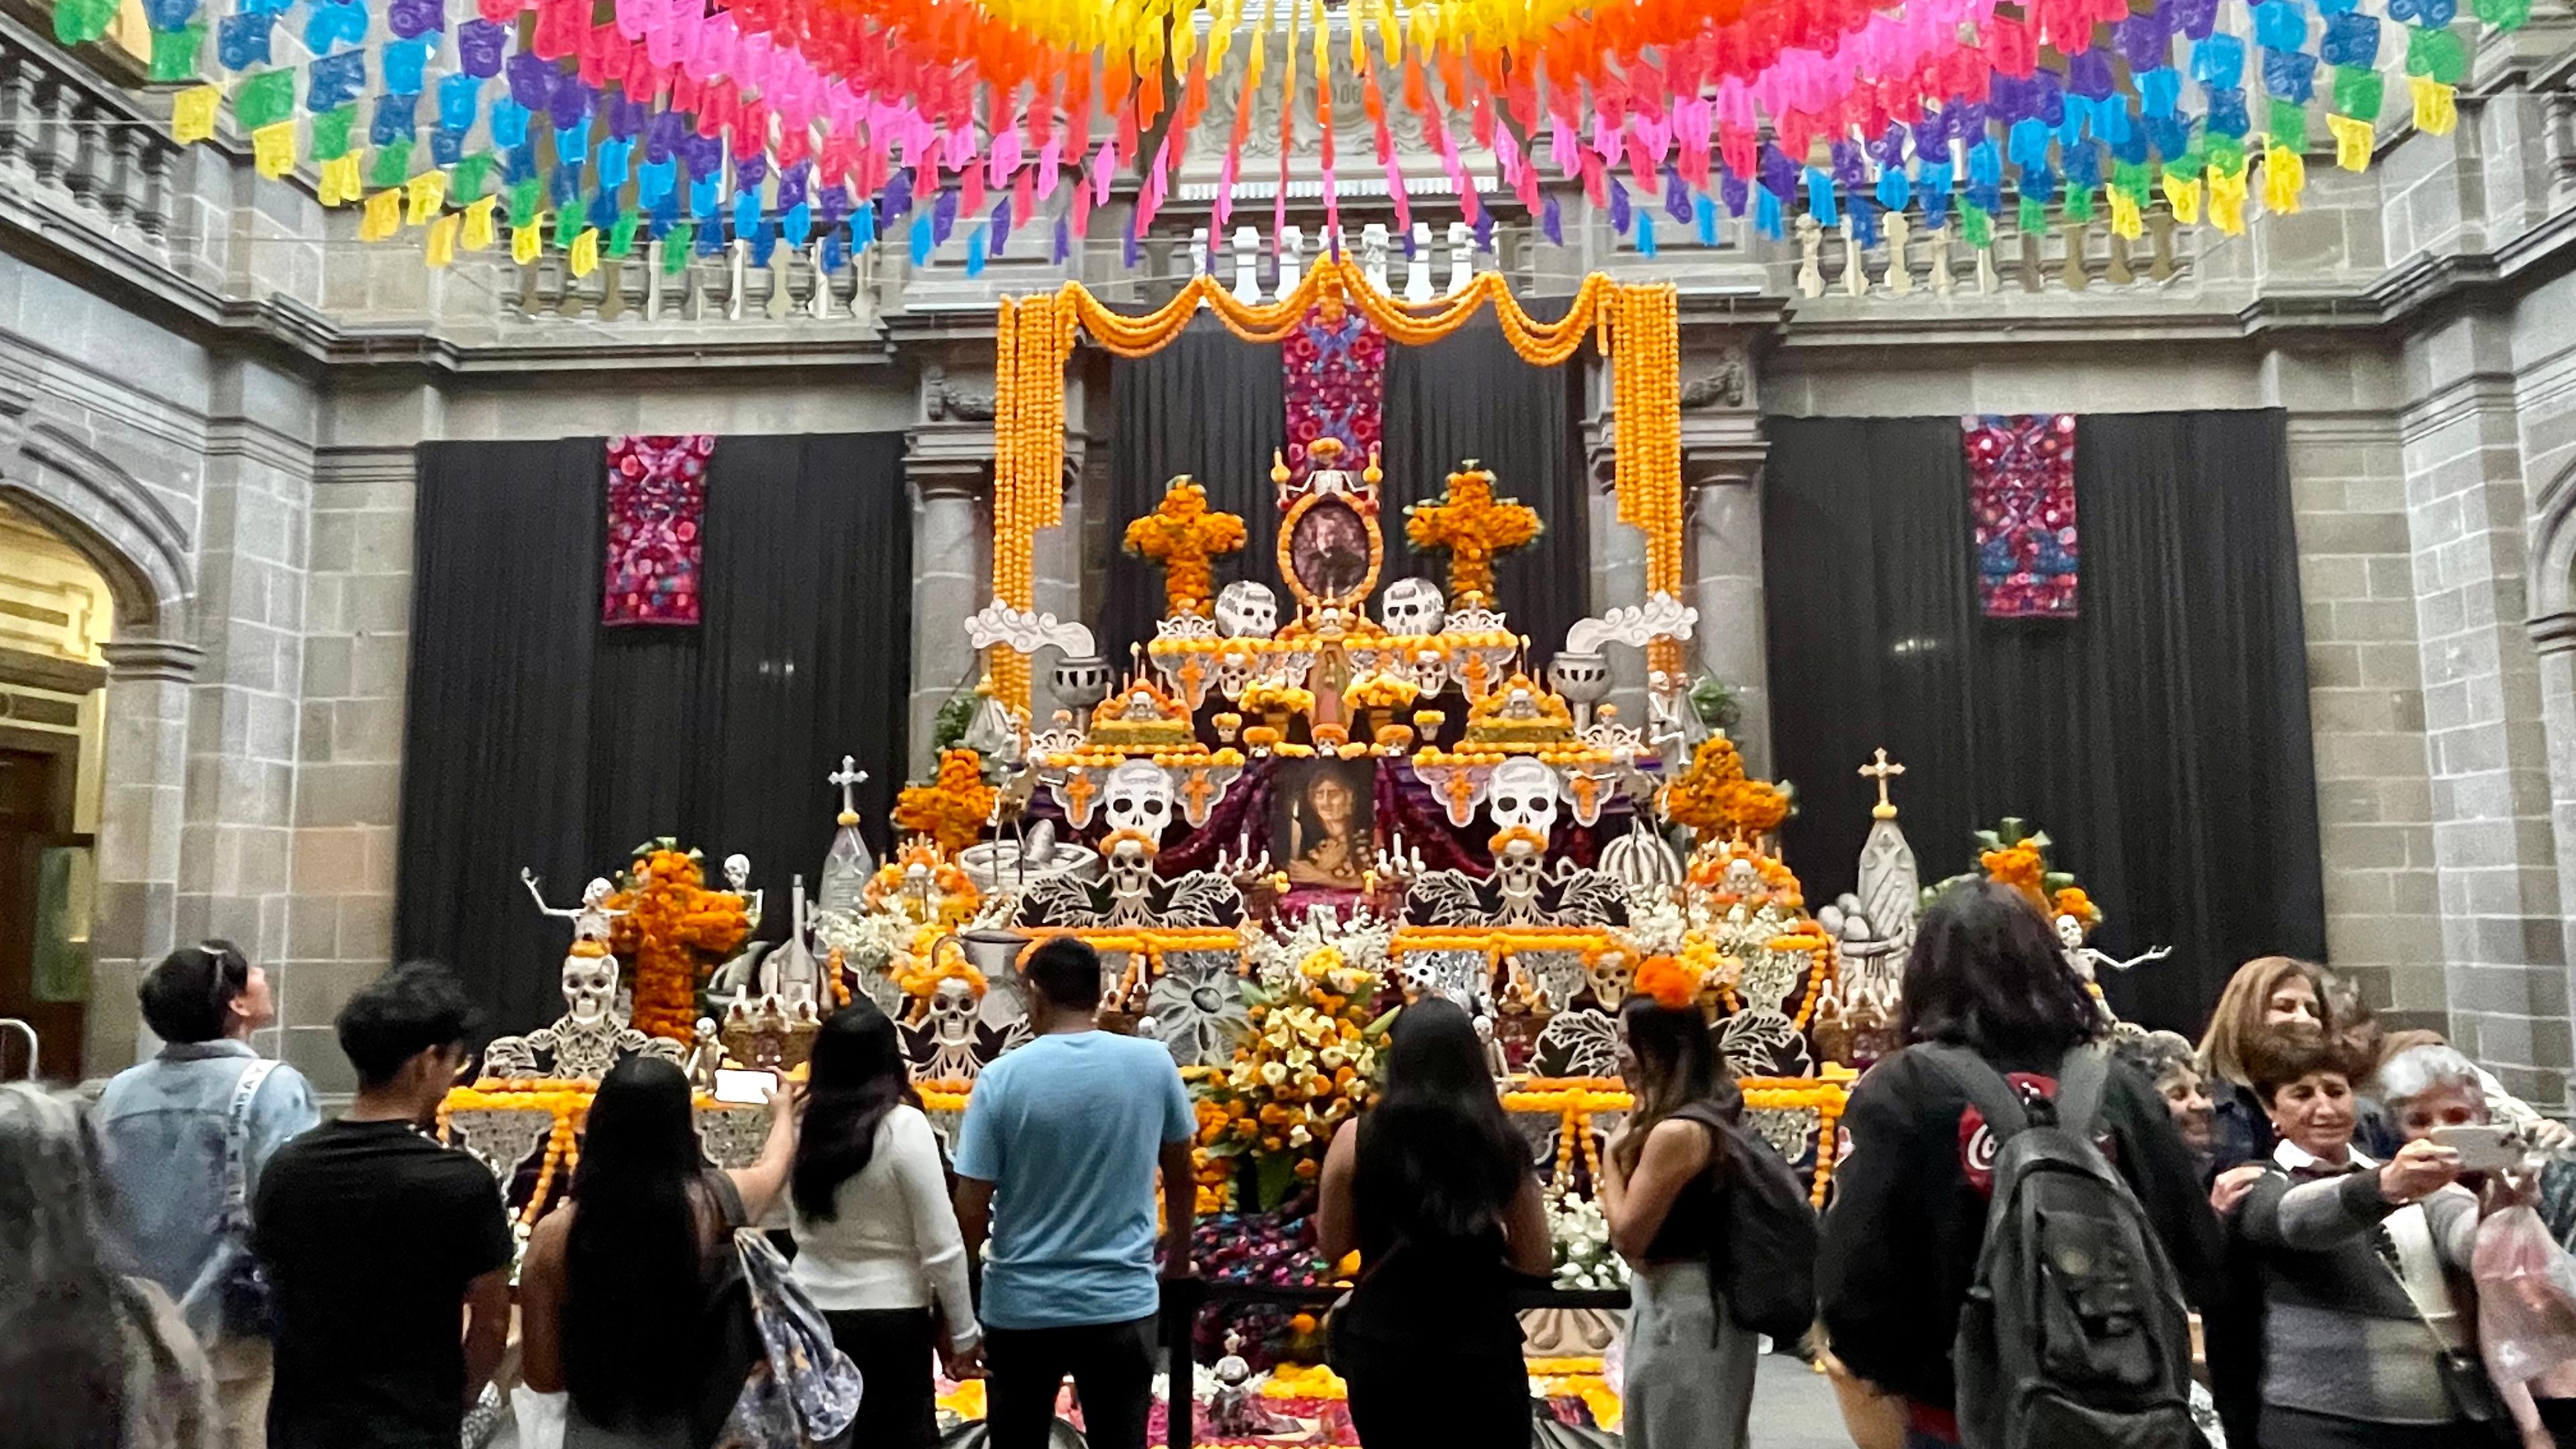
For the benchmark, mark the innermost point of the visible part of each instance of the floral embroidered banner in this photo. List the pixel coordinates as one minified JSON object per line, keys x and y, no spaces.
{"x":657,"y":495}
{"x":2021,"y":490}
{"x":1336,"y":376}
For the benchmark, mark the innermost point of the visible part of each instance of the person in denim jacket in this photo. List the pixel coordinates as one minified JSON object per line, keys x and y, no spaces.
{"x":163,"y":1128}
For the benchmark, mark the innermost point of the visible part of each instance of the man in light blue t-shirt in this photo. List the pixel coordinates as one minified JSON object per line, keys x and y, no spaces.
{"x":1057,"y":1160}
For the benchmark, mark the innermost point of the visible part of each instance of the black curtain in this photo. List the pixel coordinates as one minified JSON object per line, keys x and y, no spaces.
{"x":1214,"y":406}
{"x":720,"y":735}
{"x":2161,"y":737}
{"x":1470,"y":396}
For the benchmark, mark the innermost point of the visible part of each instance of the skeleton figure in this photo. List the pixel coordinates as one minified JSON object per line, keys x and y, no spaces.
{"x":2088,"y":962}
{"x":588,"y":1038}
{"x":1411,"y":606}
{"x":945,"y":1043}
{"x":1247,"y":609}
{"x":1672,"y":725}
{"x":590,"y":920}
{"x":1129,"y":867}
{"x":737,"y":877}
{"x":706,"y":1054}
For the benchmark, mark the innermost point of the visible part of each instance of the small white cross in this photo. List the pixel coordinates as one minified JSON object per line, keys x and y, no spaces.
{"x":850,"y":775}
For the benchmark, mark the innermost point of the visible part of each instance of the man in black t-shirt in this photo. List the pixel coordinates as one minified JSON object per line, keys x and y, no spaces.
{"x":375,"y":1237}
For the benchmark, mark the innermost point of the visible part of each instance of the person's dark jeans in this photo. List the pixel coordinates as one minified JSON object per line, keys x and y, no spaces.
{"x":1112,"y":1365}
{"x":892,"y":1349}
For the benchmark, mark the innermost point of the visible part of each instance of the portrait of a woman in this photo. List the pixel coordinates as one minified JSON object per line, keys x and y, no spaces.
{"x":1327,"y":825}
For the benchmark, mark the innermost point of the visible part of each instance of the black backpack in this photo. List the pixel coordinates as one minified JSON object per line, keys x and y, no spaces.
{"x":1764,"y":1264}
{"x":2074,"y":1335}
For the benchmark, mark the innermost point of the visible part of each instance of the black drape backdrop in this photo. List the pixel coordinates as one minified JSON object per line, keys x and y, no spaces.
{"x":538,"y":737}
{"x":1213,"y":406}
{"x":2161,"y":738}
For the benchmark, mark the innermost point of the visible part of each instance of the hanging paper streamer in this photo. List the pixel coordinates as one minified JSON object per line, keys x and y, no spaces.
{"x":2021,"y":489}
{"x":656,"y":506}
{"x":1335,"y":376}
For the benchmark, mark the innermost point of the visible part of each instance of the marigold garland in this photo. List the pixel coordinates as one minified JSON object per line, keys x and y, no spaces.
{"x":1473,"y":527}
{"x":953,"y":807}
{"x":1184,"y":535}
{"x":672,"y":933}
{"x":1637,"y":327}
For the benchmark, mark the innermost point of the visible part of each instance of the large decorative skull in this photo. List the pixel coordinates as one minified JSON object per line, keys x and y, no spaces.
{"x":1247,"y":609}
{"x":1524,"y":794}
{"x":589,"y":987}
{"x":1412,"y":606}
{"x":737,"y":873}
{"x":1139,"y":798}
{"x":951,"y":1012}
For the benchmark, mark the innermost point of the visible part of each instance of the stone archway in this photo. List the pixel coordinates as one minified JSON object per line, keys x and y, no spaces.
{"x":144,"y":553}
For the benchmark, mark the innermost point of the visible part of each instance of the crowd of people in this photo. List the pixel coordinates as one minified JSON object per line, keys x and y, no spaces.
{"x":2365,"y":1224}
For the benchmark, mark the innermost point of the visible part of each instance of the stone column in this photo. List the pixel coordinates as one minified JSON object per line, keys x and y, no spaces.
{"x":139,"y":826}
{"x":2494,"y":848}
{"x":951,"y":572}
{"x":1722,"y":453}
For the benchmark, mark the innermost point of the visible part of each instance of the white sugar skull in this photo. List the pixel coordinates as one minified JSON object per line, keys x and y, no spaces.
{"x":1524,"y":794}
{"x":1412,"y":606}
{"x":1139,"y":798}
{"x":589,"y":987}
{"x":951,"y":1012}
{"x":1247,"y":609}
{"x":737,"y":873}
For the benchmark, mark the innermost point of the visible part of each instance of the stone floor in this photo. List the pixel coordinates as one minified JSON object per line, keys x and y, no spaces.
{"x":1793,"y":1408}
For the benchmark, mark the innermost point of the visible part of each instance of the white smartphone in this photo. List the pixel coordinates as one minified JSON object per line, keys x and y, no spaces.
{"x":748,"y":1089}
{"x":2483,"y":1146}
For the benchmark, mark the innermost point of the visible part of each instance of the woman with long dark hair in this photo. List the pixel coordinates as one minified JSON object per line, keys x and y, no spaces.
{"x":1689,"y":1381}
{"x":92,"y":1359}
{"x":1433,"y":1188}
{"x":1900,"y":1243}
{"x":630,"y":1297}
{"x":876,"y":1237}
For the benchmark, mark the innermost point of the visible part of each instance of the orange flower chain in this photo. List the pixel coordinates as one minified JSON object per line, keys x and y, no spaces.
{"x":1472,"y":526}
{"x":674,"y":931}
{"x":953,"y":807}
{"x":1636,"y":327}
{"x":1186,"y":536}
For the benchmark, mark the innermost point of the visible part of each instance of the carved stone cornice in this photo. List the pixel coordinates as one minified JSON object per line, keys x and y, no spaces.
{"x":163,"y":659}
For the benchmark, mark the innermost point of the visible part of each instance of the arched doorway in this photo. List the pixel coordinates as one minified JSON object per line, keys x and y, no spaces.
{"x":57,"y":617}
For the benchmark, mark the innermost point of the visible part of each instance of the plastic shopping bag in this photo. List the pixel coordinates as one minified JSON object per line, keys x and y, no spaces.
{"x":2526,"y":1295}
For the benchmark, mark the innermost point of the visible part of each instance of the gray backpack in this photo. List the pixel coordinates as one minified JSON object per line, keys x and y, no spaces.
{"x":2074,"y":1335}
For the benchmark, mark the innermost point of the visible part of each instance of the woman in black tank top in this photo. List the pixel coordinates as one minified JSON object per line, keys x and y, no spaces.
{"x":1434,"y":1189}
{"x":1689,"y":1367}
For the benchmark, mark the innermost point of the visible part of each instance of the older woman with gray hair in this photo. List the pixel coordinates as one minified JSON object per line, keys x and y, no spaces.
{"x":2428,"y":1087}
{"x":95,"y":1359}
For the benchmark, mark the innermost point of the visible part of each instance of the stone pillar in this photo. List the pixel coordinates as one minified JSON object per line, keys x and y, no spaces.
{"x":1732,"y":642}
{"x":2494,"y":848}
{"x":138,"y":836}
{"x":951,"y":579}
{"x":1722,"y":453}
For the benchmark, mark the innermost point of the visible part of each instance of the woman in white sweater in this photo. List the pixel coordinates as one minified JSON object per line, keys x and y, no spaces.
{"x":876,"y":1240}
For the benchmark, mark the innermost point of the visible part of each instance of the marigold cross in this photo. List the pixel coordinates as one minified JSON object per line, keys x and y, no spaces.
{"x":1474,"y":527}
{"x":1183,"y":535}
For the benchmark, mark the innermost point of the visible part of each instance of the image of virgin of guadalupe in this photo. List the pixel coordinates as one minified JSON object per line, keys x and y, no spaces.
{"x":1323,"y":813}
